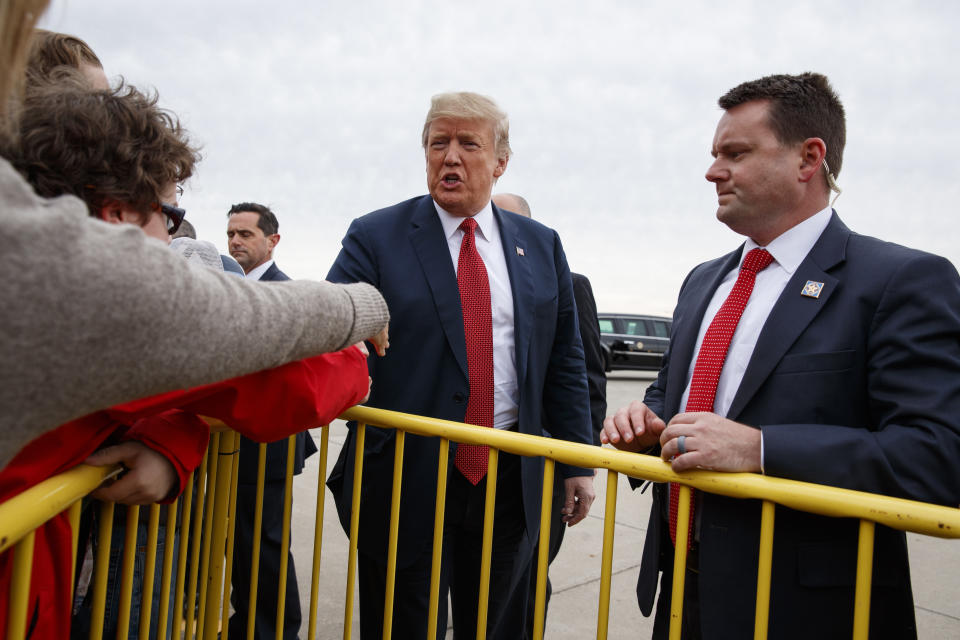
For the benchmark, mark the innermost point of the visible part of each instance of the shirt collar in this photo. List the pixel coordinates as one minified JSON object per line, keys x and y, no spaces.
{"x":791,"y":247}
{"x":257,"y":272}
{"x":486,"y":224}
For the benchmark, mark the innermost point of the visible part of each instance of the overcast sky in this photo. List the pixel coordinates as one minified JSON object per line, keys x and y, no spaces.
{"x":316,"y":108}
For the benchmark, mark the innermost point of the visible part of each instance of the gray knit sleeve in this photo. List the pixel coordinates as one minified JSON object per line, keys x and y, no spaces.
{"x":99,"y":314}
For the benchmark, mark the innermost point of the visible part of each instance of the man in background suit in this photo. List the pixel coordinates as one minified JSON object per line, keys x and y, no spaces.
{"x":484,"y":330}
{"x":842,"y":370}
{"x":252,"y":234}
{"x":596,"y":382}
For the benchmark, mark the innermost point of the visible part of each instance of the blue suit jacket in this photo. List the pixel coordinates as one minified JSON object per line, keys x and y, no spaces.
{"x":403,"y":252}
{"x":276,"y":463}
{"x":858,"y":388}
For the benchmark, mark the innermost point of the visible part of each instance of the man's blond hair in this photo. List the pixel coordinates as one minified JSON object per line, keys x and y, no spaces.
{"x":465,"y":105}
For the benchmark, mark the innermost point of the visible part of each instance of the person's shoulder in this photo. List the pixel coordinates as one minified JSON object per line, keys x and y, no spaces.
{"x":395,"y":212}
{"x":875,"y":254}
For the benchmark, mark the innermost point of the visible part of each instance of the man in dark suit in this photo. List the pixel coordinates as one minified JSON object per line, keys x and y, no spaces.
{"x":842,"y":371}
{"x":252,"y":234}
{"x":596,"y":382}
{"x":484,"y":329}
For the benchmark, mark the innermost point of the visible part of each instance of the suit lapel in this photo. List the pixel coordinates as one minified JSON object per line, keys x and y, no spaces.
{"x":430,"y":245}
{"x":521,"y":282}
{"x":793,"y":312}
{"x":686,"y":328}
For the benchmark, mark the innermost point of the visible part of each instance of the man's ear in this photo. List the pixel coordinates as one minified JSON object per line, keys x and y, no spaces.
{"x":501,"y":166}
{"x":274,"y":240}
{"x":812,"y":153}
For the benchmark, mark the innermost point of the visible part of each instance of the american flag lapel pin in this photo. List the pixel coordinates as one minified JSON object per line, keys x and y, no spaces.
{"x":812,"y":289}
{"x":520,"y":251}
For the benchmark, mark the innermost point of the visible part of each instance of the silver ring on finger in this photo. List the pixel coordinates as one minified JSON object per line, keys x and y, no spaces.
{"x":682,"y":444}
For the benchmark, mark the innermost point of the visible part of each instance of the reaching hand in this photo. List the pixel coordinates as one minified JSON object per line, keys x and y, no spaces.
{"x":149,"y":478}
{"x":381,"y":341}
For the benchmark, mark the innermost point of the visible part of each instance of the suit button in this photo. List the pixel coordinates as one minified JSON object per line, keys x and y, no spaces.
{"x":459,"y":397}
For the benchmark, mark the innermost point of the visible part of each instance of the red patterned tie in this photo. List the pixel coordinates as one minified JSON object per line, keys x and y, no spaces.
{"x":471,"y":460}
{"x":713,"y":352}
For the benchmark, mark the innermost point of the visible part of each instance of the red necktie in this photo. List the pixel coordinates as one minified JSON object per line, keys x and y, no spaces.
{"x":713,"y":352}
{"x":471,"y":460}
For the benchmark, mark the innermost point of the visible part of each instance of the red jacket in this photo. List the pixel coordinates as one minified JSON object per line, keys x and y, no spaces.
{"x":263,"y":406}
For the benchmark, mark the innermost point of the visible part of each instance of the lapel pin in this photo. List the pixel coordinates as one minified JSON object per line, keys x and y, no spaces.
{"x":812,"y":289}
{"x":519,"y":251}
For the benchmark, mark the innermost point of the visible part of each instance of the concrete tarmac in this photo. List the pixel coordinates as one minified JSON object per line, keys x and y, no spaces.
{"x":575,"y":573}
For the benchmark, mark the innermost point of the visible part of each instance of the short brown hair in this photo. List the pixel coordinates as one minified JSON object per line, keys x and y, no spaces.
{"x":802,"y":106}
{"x":50,"y":50}
{"x":266,"y":219}
{"x":100,"y":145}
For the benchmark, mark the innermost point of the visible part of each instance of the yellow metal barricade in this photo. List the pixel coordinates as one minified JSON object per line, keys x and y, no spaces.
{"x":201,"y":574}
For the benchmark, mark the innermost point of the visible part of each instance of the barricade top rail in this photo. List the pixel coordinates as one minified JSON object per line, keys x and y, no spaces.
{"x":28,"y":510}
{"x":897,"y":513}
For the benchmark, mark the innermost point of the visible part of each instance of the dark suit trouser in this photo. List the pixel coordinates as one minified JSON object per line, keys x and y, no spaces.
{"x":269,"y":568}
{"x":463,"y":534}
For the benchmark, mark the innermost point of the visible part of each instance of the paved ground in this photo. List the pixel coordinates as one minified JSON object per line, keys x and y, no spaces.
{"x":576,"y":572}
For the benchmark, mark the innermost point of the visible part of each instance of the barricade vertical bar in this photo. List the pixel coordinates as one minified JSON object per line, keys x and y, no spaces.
{"x":354,"y":530}
{"x":391,"y":576}
{"x":546,"y":517}
{"x":437,"y":563}
{"x":486,"y":551}
{"x":198,"y":508}
{"x":861,"y":607}
{"x":227,"y":454}
{"x":255,"y":557}
{"x":231,"y":529}
{"x":680,"y":562}
{"x":285,"y":540}
{"x":318,"y":533}
{"x":212,"y":463}
{"x":167,"y":572}
{"x":150,"y":566}
{"x":606,"y":564}
{"x":185,"y":539}
{"x":74,"y":516}
{"x":19,"y":597}
{"x":126,"y":583}
{"x":764,"y":570}
{"x":104,"y":536}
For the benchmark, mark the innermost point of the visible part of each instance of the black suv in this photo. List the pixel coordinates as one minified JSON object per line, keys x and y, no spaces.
{"x":633,"y":341}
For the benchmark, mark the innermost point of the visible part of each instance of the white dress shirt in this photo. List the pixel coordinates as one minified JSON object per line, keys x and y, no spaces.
{"x":788,"y":250}
{"x":257,"y":272}
{"x":506,"y":397}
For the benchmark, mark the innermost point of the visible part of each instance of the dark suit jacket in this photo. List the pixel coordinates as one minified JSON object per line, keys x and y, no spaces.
{"x":592,"y":351}
{"x":402,"y":251}
{"x":858,"y":388}
{"x":276,"y":465}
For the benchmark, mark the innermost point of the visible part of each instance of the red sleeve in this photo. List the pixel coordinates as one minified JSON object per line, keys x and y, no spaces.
{"x":178,"y":436}
{"x":271,"y":404}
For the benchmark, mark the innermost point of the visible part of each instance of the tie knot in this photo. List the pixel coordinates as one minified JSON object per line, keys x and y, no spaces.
{"x":468,"y":225}
{"x":757,"y":260}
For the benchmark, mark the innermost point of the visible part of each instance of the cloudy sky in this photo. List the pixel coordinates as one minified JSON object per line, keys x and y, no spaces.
{"x":315,"y":108}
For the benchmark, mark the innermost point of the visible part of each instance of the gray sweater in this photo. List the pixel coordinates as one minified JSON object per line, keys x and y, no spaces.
{"x":93,"y":314}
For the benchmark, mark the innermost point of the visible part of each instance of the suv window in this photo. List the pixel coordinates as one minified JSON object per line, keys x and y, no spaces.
{"x":635,"y":327}
{"x":660,"y":329}
{"x":606,"y":325}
